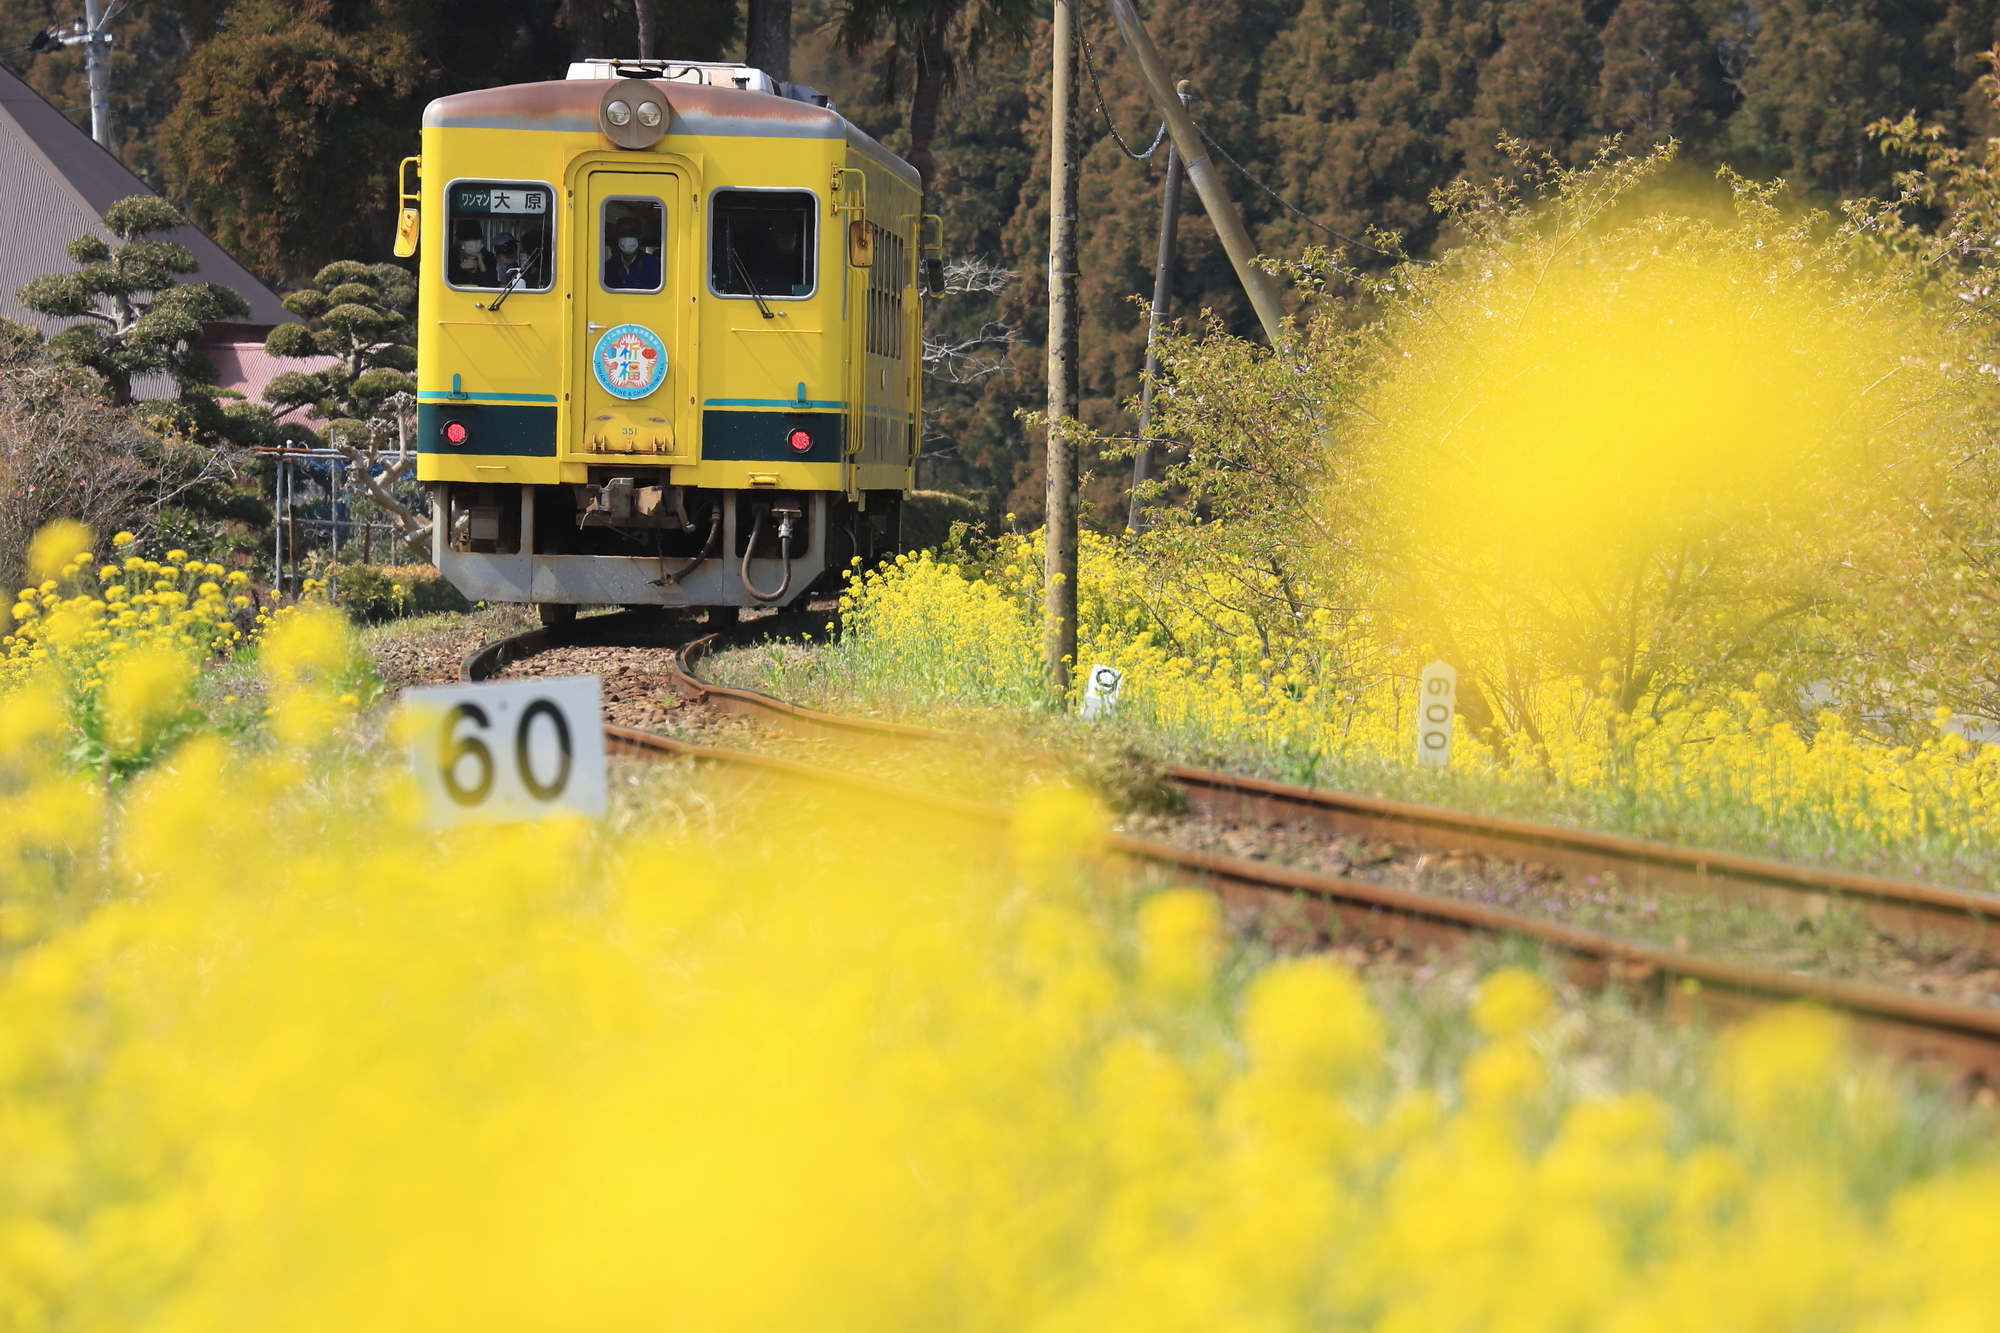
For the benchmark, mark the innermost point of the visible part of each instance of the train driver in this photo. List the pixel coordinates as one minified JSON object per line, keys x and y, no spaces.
{"x":507,"y":259}
{"x":628,"y":266}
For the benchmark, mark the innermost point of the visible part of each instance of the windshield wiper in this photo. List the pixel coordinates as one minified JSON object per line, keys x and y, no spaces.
{"x":514,"y":283}
{"x":749,"y":282}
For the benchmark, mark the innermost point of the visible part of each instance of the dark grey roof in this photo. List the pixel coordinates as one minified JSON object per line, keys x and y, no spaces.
{"x":55,"y":183}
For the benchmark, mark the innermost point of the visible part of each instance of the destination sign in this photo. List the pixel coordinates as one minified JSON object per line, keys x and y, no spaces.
{"x":501,"y":200}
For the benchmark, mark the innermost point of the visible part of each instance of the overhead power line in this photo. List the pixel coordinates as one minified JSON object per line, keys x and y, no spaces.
{"x":1209,"y":139}
{"x":1160,"y":137}
{"x":1110,"y":124}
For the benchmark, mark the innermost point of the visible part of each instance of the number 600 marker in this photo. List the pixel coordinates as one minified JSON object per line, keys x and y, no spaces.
{"x":507,"y":750}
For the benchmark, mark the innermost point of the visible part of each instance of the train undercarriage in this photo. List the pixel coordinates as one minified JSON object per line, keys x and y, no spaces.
{"x":630,"y":537}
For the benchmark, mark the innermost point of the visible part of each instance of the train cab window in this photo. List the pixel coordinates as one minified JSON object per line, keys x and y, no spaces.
{"x":761,"y":243}
{"x":633,"y":250}
{"x":498,"y":232}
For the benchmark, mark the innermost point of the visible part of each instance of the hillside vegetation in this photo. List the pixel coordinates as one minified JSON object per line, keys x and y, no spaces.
{"x":278,"y":127}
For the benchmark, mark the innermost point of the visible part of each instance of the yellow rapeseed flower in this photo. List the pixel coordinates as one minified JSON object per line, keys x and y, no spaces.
{"x":143,"y":690}
{"x":55,"y":545}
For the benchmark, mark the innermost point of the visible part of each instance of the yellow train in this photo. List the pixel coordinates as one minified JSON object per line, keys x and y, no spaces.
{"x":669,"y":338}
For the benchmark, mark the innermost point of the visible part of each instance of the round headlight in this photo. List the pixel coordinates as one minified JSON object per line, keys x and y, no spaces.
{"x":633,"y":114}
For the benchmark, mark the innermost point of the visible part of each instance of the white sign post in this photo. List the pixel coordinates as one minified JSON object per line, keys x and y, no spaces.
{"x":508,"y":750}
{"x":1100,"y":691}
{"x":1437,"y":701}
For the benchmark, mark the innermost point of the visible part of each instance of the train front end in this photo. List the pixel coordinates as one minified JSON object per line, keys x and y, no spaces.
{"x":668,"y":338}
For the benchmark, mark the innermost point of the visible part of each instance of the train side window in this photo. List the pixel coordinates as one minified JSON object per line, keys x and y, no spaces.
{"x":886,"y":333}
{"x":498,"y":234}
{"x":633,"y":249}
{"x":761,"y":243}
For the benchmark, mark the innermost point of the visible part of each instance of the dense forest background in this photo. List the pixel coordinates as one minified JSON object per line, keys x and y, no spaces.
{"x":277,"y":126}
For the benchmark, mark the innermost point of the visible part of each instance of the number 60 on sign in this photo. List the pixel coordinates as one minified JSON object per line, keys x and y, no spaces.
{"x":509,"y":750}
{"x":1437,"y":700}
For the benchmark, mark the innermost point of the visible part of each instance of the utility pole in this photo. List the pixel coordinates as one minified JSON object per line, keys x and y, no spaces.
{"x":1163,"y":286}
{"x":96,"y":44}
{"x":89,"y":33}
{"x":1059,"y":545}
{"x":1257,"y":284}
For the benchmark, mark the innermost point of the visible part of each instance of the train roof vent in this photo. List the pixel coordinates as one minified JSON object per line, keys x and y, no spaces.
{"x":712,"y":74}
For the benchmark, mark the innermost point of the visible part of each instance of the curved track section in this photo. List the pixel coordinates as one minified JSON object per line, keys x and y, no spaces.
{"x":1959,"y":1038}
{"x":1901,"y":909}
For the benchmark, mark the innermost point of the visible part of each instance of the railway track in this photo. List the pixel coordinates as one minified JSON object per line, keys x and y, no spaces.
{"x":1961,"y":1040}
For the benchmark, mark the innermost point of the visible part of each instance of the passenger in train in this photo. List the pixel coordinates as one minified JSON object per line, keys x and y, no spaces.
{"x":628,"y":267}
{"x":473,"y":267}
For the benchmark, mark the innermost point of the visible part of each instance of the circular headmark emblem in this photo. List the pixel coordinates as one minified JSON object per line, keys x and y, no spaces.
{"x":629,"y":361}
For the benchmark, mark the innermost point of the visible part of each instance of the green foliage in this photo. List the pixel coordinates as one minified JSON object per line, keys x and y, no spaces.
{"x":928,"y":43}
{"x":282,"y":113}
{"x":1357,"y":111}
{"x":374,"y":593}
{"x":18,"y":342}
{"x":930,"y":518}
{"x":1609,"y":450}
{"x":360,"y":316}
{"x":136,"y":316}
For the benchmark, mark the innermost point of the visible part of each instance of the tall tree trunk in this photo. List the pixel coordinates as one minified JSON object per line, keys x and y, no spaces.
{"x":928,"y":92}
{"x":585,"y":21}
{"x":768,"y":44}
{"x":647,"y":13}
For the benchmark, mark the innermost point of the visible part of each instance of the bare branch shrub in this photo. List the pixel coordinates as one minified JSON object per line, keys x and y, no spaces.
{"x":64,"y":453}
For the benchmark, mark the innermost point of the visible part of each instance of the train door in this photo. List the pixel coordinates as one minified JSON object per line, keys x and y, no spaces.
{"x":632,"y":304}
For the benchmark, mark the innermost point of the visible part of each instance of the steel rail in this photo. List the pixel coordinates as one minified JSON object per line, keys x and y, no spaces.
{"x":1945,"y":1035}
{"x":1907,"y":910}
{"x":1937,"y":1034}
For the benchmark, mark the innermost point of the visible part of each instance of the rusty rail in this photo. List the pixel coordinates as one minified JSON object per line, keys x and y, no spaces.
{"x":1906,"y":910}
{"x":1960,"y":1038}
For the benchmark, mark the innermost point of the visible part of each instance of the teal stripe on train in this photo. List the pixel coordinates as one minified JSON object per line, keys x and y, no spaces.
{"x":490,"y":428}
{"x":763,"y":437}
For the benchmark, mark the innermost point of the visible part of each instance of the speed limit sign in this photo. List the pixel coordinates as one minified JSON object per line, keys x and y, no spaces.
{"x":507,"y":750}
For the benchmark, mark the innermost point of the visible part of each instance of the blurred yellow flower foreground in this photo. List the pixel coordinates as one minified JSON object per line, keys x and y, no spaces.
{"x":272,"y":1058}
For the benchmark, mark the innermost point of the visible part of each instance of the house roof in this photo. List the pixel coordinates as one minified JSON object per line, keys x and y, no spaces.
{"x":55,"y":183}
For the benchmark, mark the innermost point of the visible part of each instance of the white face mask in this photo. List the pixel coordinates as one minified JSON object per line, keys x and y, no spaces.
{"x":473,"y":247}
{"x":628,"y":245}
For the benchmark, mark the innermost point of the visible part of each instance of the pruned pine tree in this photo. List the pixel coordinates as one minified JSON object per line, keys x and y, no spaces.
{"x":134,"y":315}
{"x":358,"y":322}
{"x":360,"y":316}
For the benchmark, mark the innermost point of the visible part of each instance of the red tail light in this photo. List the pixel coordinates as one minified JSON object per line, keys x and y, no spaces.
{"x":801,"y":441}
{"x":455,"y":432}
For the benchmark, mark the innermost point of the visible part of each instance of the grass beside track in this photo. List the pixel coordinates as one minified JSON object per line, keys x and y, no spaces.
{"x":882,"y":675}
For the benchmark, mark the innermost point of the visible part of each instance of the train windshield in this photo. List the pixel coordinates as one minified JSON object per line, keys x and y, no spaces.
{"x":634,"y":244}
{"x":498,"y":233}
{"x":762,"y":243}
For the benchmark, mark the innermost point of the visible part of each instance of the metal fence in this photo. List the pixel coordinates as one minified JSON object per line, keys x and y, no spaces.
{"x":313,"y":510}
